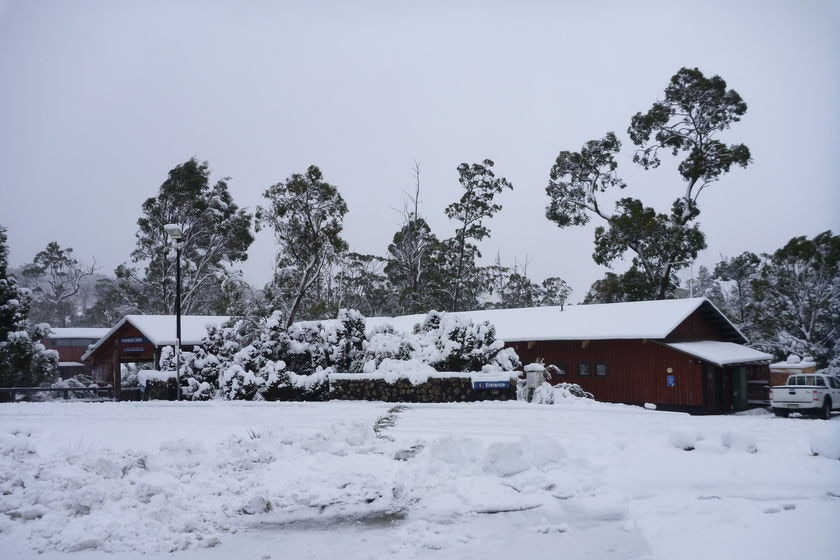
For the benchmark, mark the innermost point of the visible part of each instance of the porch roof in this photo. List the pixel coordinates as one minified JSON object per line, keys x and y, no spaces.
{"x":721,"y":353}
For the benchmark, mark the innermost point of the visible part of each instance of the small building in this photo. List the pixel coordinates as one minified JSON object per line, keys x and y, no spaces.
{"x":677,"y":354}
{"x":71,"y":344}
{"x":140,"y":339}
{"x":780,"y":371}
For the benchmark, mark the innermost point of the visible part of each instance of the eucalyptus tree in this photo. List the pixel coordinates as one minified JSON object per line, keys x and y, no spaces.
{"x":687,"y":124}
{"x":797,"y":298}
{"x":55,"y":277}
{"x":411,"y":251}
{"x":216,"y":234}
{"x":476,"y":205}
{"x":307,"y":216}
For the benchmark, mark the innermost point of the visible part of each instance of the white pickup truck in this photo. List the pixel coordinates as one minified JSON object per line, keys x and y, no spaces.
{"x":812,"y":393}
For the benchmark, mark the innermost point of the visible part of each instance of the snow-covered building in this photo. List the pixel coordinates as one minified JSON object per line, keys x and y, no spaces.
{"x":140,"y":339}
{"x":681,"y":354}
{"x":71,"y":344}
{"x":780,"y":371}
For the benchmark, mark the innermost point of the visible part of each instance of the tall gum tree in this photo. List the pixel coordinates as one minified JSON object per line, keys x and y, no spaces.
{"x":687,"y":123}
{"x":55,"y":277}
{"x":307,"y":216}
{"x":476,"y":205}
{"x":217,"y":233}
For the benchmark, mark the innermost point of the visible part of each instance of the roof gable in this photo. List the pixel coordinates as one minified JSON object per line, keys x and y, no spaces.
{"x":160,"y":329}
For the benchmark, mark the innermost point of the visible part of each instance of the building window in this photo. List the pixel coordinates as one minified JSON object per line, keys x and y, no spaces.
{"x":562,"y":368}
{"x":583,"y":368}
{"x":600,"y":368}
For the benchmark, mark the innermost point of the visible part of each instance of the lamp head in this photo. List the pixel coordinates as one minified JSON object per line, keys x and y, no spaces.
{"x":174,"y":231}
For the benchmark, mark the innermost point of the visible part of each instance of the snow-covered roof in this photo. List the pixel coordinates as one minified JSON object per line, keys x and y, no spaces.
{"x":788,"y":366}
{"x":160,"y":329}
{"x":720,"y":353}
{"x":610,"y":321}
{"x":77,"y":332}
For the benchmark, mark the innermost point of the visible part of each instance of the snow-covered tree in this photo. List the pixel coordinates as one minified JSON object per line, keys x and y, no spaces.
{"x":797,"y":297}
{"x":216,"y":235}
{"x":694,"y":112}
{"x":307,"y":216}
{"x":112,"y":304}
{"x":519,"y":291}
{"x":23,"y":359}
{"x":55,"y":277}
{"x":476,"y":205}
{"x":555,"y":291}
{"x":361,"y":284}
{"x":736,"y":277}
{"x":409,"y":268}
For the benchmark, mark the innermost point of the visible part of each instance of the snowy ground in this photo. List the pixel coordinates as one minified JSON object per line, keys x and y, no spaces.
{"x":82,"y":481}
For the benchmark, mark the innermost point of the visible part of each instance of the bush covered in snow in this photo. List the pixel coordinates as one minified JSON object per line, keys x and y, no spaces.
{"x":273,"y":363}
{"x":554,"y":394}
{"x":449,"y":343}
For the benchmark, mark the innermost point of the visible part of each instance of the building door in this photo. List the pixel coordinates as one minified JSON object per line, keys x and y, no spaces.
{"x":739,"y":388}
{"x":711,"y":387}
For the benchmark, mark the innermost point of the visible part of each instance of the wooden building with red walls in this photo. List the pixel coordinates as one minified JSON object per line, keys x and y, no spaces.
{"x":72,"y":343}
{"x":677,"y":354}
{"x":140,"y":339}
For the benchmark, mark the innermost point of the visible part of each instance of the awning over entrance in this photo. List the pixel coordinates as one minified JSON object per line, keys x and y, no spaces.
{"x":720,"y":353}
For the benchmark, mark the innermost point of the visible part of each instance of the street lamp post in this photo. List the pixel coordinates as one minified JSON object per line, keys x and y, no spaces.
{"x":177,"y":236}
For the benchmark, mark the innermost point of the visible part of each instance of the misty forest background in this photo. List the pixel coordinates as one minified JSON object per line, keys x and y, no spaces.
{"x":785,"y":302}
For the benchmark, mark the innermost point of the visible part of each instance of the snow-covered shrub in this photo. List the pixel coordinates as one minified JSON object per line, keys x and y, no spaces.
{"x":24,"y":361}
{"x":128,"y":375}
{"x":348,"y":342}
{"x":385,"y":343}
{"x":543,"y":394}
{"x":237,"y":383}
{"x":553,"y":394}
{"x":281,"y":384}
{"x":308,"y":349}
{"x":571,"y":390}
{"x":450,"y":343}
{"x":201,"y":383}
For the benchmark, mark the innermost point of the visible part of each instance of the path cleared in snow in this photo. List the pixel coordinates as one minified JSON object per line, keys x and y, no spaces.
{"x":361,"y":480}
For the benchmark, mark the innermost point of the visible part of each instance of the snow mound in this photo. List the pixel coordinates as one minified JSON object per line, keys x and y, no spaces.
{"x":684,"y":440}
{"x":737,"y":440}
{"x":825,"y":442}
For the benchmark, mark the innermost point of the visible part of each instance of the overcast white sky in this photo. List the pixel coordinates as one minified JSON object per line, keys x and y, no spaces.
{"x":100,"y":99}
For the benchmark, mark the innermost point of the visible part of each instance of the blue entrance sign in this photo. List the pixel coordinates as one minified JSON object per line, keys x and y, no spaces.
{"x":670,"y":380}
{"x":491,"y":384}
{"x":134,"y":340}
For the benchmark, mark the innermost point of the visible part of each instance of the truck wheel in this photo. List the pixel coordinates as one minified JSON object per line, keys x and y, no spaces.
{"x":781,"y":412}
{"x":825,"y":411}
